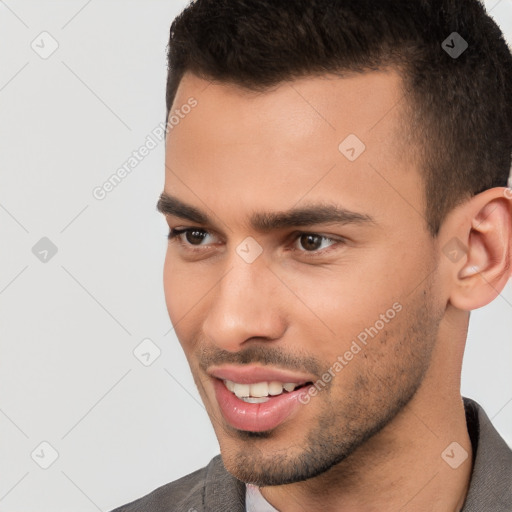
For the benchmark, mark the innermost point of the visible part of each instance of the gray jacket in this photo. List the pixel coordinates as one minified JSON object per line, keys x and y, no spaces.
{"x":213,"y":489}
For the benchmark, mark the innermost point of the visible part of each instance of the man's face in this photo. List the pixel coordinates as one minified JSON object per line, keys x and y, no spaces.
{"x":310,"y":263}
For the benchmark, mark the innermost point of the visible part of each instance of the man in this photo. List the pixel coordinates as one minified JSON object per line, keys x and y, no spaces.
{"x":337,"y":206}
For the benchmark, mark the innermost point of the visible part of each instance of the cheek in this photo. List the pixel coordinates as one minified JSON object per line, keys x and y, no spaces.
{"x":355,"y":313}
{"x":185,"y":291}
{"x":180,"y":284}
{"x":346,"y":300}
{"x":170,"y":286}
{"x":179,"y":294}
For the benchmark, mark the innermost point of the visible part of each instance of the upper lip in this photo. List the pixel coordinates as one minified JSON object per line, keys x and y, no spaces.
{"x":252,"y":374}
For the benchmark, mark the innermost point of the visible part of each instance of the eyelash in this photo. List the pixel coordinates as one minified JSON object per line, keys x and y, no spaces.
{"x":175,"y":233}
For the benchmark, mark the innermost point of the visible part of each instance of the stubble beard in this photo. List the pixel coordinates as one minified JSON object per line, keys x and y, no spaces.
{"x":383,"y":387}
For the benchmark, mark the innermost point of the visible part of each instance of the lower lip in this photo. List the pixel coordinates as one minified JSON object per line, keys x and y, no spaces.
{"x":257,"y":417}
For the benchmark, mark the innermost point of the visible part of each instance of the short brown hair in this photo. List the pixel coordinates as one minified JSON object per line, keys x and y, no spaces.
{"x":459,"y":108}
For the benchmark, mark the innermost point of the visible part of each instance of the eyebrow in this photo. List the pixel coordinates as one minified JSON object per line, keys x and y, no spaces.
{"x":269,"y":221}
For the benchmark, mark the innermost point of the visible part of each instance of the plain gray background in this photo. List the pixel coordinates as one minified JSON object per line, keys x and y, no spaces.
{"x":70,"y":321}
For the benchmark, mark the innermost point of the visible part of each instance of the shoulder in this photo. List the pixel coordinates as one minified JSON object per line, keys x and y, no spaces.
{"x":195,"y":492}
{"x":170,"y":495}
{"x":491,"y":480}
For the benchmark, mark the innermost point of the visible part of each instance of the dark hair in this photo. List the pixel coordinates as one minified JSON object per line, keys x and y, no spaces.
{"x":458,"y":108}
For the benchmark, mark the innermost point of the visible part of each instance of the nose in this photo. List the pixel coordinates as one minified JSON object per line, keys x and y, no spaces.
{"x":244,"y":306}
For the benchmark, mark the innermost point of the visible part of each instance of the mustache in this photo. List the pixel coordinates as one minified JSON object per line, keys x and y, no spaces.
{"x":213,"y":356}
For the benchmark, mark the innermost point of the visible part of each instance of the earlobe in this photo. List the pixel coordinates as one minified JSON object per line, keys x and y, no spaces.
{"x":486,"y":232}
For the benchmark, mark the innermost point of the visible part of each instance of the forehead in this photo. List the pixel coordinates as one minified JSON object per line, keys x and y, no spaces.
{"x":317,"y":138}
{"x":356,"y":103}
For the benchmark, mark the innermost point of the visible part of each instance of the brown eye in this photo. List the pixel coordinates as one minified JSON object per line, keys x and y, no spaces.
{"x":189,"y":236}
{"x":314,"y":244}
{"x":311,"y":242}
{"x":195,"y":236}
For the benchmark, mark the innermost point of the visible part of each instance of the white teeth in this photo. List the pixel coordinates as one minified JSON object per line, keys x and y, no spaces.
{"x":275,"y":388}
{"x":242,"y":390}
{"x":254,"y":400}
{"x":259,"y":390}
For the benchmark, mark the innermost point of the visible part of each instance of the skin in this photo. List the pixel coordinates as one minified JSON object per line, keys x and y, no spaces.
{"x":372,"y":439}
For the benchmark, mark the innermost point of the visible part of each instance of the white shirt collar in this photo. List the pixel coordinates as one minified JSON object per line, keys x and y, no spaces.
{"x":255,"y":502}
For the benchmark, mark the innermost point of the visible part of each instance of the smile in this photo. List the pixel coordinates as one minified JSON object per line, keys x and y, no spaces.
{"x":260,"y":392}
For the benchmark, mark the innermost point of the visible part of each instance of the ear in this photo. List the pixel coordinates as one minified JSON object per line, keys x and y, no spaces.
{"x":476,"y":248}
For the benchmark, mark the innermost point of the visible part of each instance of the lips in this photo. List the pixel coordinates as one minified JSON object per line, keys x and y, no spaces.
{"x":256,"y":398}
{"x":253,"y":374}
